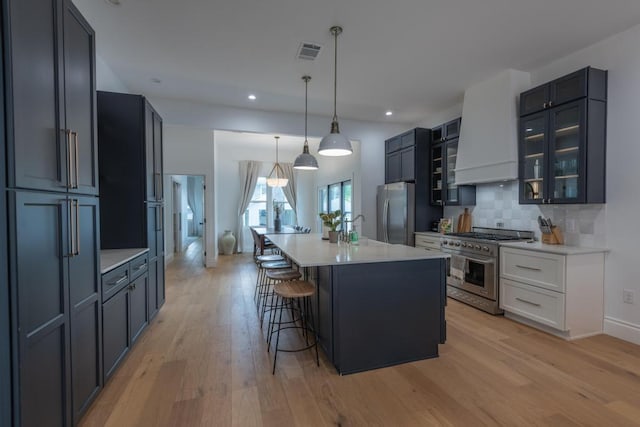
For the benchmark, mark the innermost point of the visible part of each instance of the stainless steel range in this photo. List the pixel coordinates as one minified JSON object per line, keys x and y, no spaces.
{"x":473,"y":270}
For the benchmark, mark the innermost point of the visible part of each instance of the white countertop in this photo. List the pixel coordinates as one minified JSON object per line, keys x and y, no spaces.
{"x":309,"y":250}
{"x":112,"y":258}
{"x":554,"y":249}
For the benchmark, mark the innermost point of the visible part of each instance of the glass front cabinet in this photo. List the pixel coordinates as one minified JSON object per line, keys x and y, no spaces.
{"x":562,"y":147}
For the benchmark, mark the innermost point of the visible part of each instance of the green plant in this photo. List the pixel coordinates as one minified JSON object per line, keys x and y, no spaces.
{"x":332,"y":219}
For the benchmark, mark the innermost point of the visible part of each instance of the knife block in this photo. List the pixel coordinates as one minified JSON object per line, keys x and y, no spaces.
{"x":553,"y":238}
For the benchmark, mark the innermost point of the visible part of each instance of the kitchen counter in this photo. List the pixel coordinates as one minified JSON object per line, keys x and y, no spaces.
{"x":554,"y":249}
{"x":376,"y":304}
{"x":309,"y":250}
{"x":112,"y":258}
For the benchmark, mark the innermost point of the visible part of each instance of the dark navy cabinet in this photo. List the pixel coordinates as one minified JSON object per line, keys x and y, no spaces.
{"x":443,"y":158}
{"x":131,"y":182}
{"x":53,"y":240}
{"x":562,"y":141}
{"x":407,"y":160}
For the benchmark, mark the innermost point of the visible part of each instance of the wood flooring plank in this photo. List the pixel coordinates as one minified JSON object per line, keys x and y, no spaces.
{"x":203,"y":361}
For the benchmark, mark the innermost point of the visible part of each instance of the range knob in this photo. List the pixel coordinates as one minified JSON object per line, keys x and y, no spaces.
{"x":477,"y":247}
{"x":444,"y":243}
{"x":485,"y":248}
{"x":458,"y":244}
{"x":464,"y":245}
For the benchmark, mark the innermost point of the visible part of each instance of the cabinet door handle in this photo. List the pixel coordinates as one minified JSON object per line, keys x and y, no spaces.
{"x":77,"y":227}
{"x":545,"y":105}
{"x":77,"y":160}
{"x":69,"y":158}
{"x":527,"y":267}
{"x":550,"y":104}
{"x":528,"y":302}
{"x":71,"y":230}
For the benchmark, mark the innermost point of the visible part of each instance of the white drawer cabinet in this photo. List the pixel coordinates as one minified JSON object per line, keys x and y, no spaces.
{"x":538,"y":268}
{"x":428,"y":241}
{"x":560,"y":294}
{"x":541,"y":305}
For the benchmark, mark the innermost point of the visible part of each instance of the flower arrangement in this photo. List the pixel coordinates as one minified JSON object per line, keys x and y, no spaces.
{"x":332,"y":219}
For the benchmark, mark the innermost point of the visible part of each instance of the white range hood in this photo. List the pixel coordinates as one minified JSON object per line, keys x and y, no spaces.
{"x":488,"y":145}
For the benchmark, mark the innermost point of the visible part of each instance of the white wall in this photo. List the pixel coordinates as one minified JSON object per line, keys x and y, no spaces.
{"x":106,"y":78}
{"x":371,"y":136}
{"x":620,"y":54}
{"x":189,"y":151}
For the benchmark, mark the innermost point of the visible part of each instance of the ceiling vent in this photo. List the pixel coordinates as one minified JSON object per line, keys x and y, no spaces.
{"x":309,"y":51}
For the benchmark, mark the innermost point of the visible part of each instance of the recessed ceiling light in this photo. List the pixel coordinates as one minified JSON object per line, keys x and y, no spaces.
{"x":252,"y":97}
{"x":114,"y":2}
{"x":529,"y":129}
{"x":389,"y":113}
{"x":156,"y":80}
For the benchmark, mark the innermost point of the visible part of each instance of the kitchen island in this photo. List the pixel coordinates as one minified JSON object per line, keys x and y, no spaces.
{"x":376,"y":304}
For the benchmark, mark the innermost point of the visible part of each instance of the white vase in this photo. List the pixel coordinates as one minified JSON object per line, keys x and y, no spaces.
{"x":227,"y":241}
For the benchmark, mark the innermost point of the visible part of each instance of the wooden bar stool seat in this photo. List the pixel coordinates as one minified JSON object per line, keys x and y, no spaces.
{"x":294,"y":289}
{"x":283,"y":275}
{"x":269,"y":258}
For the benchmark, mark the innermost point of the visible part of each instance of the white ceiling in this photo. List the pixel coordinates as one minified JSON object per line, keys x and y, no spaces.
{"x":412,"y":56}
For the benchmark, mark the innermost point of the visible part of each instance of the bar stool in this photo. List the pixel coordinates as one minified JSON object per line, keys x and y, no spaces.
{"x":275,"y":276}
{"x":288,"y":292}
{"x":262,"y":259}
{"x":261,"y":278}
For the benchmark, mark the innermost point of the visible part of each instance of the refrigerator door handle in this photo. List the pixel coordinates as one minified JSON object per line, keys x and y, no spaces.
{"x":385,"y":223}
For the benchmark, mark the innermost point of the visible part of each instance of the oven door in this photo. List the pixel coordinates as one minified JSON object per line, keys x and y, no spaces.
{"x":473,"y":273}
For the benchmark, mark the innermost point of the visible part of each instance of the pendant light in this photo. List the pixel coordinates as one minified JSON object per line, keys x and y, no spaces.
{"x":276,"y":177}
{"x":305,"y":161}
{"x":335,"y":144}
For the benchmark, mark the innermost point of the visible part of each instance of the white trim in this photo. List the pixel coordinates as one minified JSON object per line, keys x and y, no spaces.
{"x":621,"y":329}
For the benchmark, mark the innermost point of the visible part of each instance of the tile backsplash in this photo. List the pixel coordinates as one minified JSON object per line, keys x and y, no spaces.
{"x":582,"y":225}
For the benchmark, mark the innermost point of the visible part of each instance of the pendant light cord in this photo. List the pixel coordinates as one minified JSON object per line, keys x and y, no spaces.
{"x":306,"y":96}
{"x":335,"y":72}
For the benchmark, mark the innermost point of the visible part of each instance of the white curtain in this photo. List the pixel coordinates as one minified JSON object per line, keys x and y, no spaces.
{"x":249,"y":171}
{"x":290,"y":189}
{"x":194,"y":197}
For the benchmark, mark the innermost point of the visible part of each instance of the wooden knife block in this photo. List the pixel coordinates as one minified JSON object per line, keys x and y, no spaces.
{"x":553,"y":238}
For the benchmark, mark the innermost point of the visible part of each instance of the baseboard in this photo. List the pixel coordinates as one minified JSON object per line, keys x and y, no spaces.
{"x":620,"y":329}
{"x":168,"y":257}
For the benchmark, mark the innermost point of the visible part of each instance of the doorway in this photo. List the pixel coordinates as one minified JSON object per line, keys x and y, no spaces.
{"x":188,"y":224}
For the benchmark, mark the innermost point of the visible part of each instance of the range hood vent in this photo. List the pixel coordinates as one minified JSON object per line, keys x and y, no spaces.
{"x":488,"y":145}
{"x":309,"y":51}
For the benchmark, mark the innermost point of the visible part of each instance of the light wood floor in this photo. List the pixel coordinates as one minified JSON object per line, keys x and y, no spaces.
{"x":203,"y":362}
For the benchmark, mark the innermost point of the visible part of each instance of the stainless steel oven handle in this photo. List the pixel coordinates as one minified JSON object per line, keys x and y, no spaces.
{"x":479,"y":261}
{"x":385,"y":222}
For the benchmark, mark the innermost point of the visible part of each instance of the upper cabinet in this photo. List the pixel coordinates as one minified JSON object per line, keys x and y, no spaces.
{"x":444,"y":155}
{"x":52,"y":110}
{"x":407,"y":160}
{"x":562,"y":143}
{"x":402,"y":156}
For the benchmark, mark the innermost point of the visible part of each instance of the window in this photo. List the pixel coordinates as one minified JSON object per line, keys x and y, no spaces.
{"x":260,"y":211}
{"x":256,"y":213}
{"x":336,"y":196}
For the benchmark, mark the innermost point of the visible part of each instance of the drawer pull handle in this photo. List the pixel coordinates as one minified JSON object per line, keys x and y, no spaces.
{"x":528,"y":302}
{"x":141,"y":266}
{"x":120,"y":280}
{"x":528,"y":268}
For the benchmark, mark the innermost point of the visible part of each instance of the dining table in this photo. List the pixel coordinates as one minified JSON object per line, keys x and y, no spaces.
{"x":263,"y":231}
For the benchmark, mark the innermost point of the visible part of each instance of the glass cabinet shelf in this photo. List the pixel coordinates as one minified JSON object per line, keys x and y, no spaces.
{"x":567,"y":150}
{"x":567,"y":130}
{"x":566,"y":176}
{"x":533,"y":180}
{"x":534,"y":156}
{"x":534,"y":137}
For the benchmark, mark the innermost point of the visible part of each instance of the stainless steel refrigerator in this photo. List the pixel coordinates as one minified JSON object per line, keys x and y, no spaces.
{"x":396,"y":213}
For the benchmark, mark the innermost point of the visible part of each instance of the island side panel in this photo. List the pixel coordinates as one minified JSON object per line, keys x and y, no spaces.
{"x":386,"y":313}
{"x":323,"y":310}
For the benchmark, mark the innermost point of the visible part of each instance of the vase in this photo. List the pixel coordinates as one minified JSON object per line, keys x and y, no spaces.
{"x":333,"y":236}
{"x":227,"y":241}
{"x":277,"y":224}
